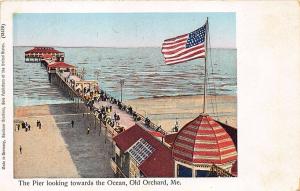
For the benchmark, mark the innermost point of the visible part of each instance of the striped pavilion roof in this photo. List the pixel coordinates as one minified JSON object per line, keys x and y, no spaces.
{"x":203,"y":140}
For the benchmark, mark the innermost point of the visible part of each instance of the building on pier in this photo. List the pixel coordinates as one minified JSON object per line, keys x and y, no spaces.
{"x":62,"y":72}
{"x":199,"y":145}
{"x":202,"y":148}
{"x":48,"y":58}
{"x":61,"y":67}
{"x":137,"y":153}
{"x":37,"y":53}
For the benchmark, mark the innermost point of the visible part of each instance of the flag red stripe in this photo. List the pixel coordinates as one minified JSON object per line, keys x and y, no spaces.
{"x":186,"y":55}
{"x":174,"y":38}
{"x":184,"y":60}
{"x":166,"y":44}
{"x":175,"y":46}
{"x":173,"y":51}
{"x":179,"y":48}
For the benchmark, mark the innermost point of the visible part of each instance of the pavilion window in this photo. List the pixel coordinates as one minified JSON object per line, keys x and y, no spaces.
{"x":184,"y":171}
{"x":203,"y":173}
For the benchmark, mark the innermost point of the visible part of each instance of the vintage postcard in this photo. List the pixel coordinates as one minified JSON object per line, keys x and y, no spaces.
{"x":149,"y":95}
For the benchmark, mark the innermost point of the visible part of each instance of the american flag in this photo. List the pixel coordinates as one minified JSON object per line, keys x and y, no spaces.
{"x":185,"y":47}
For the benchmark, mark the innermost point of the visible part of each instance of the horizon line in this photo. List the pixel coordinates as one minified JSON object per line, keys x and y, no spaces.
{"x":108,"y":46}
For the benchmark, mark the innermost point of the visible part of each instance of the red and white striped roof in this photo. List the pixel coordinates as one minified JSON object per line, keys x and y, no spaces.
{"x":203,"y":141}
{"x":43,"y":50}
{"x":60,"y":65}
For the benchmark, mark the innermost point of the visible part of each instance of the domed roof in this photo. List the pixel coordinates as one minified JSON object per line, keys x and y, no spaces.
{"x":203,"y":140}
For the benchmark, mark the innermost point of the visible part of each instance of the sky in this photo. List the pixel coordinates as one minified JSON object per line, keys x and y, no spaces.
{"x":118,"y":29}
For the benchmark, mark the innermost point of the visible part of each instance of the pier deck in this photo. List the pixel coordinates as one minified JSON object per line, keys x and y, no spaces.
{"x":126,"y":119}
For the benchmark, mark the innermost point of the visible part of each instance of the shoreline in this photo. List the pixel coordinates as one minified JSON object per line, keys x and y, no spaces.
{"x":165,"y":109}
{"x":138,"y":98}
{"x":176,"y":96}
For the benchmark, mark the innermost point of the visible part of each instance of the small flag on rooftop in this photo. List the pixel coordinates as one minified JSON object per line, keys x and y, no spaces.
{"x":185,"y":47}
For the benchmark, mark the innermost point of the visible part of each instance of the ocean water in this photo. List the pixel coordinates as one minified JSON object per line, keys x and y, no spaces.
{"x":143,"y":70}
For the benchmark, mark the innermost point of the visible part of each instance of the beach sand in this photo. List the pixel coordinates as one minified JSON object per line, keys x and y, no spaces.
{"x":164,"y":111}
{"x":58,"y":150}
{"x":44,"y":152}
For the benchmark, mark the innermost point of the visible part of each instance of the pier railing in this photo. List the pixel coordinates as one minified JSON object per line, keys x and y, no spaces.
{"x":128,"y":109}
{"x":62,"y":78}
{"x":136,"y":116}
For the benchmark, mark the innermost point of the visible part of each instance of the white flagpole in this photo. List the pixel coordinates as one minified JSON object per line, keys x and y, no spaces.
{"x":205,"y":69}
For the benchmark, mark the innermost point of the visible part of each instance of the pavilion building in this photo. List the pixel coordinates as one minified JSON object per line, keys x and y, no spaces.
{"x":137,"y":153}
{"x":200,"y":145}
{"x":37,"y":53}
{"x":202,"y":148}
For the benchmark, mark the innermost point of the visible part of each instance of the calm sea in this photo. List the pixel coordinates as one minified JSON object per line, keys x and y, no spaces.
{"x":143,"y":69}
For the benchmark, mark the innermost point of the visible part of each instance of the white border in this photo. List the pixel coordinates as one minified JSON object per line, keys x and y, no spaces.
{"x":268,"y":44}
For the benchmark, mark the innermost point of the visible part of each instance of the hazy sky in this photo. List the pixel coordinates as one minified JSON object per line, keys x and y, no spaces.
{"x":119,"y":29}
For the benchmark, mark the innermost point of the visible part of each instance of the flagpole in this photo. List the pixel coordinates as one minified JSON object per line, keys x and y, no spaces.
{"x":205,"y":69}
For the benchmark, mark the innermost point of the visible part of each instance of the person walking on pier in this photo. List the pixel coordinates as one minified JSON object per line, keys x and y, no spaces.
{"x":20,"y":148}
{"x":88,"y":131}
{"x":115,"y":116}
{"x":72,"y":123}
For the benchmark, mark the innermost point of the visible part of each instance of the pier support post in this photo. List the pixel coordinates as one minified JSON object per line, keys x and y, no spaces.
{"x":49,"y":77}
{"x":105,"y":134}
{"x":95,"y":120}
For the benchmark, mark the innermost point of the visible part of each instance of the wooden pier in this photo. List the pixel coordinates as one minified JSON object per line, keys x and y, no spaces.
{"x":69,"y":80}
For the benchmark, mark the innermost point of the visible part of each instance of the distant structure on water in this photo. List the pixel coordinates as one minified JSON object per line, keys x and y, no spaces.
{"x":38,"y":53}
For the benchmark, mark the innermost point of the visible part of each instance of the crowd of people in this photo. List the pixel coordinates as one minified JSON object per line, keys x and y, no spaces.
{"x":92,"y":93}
{"x":103,"y":113}
{"x":26,"y":126}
